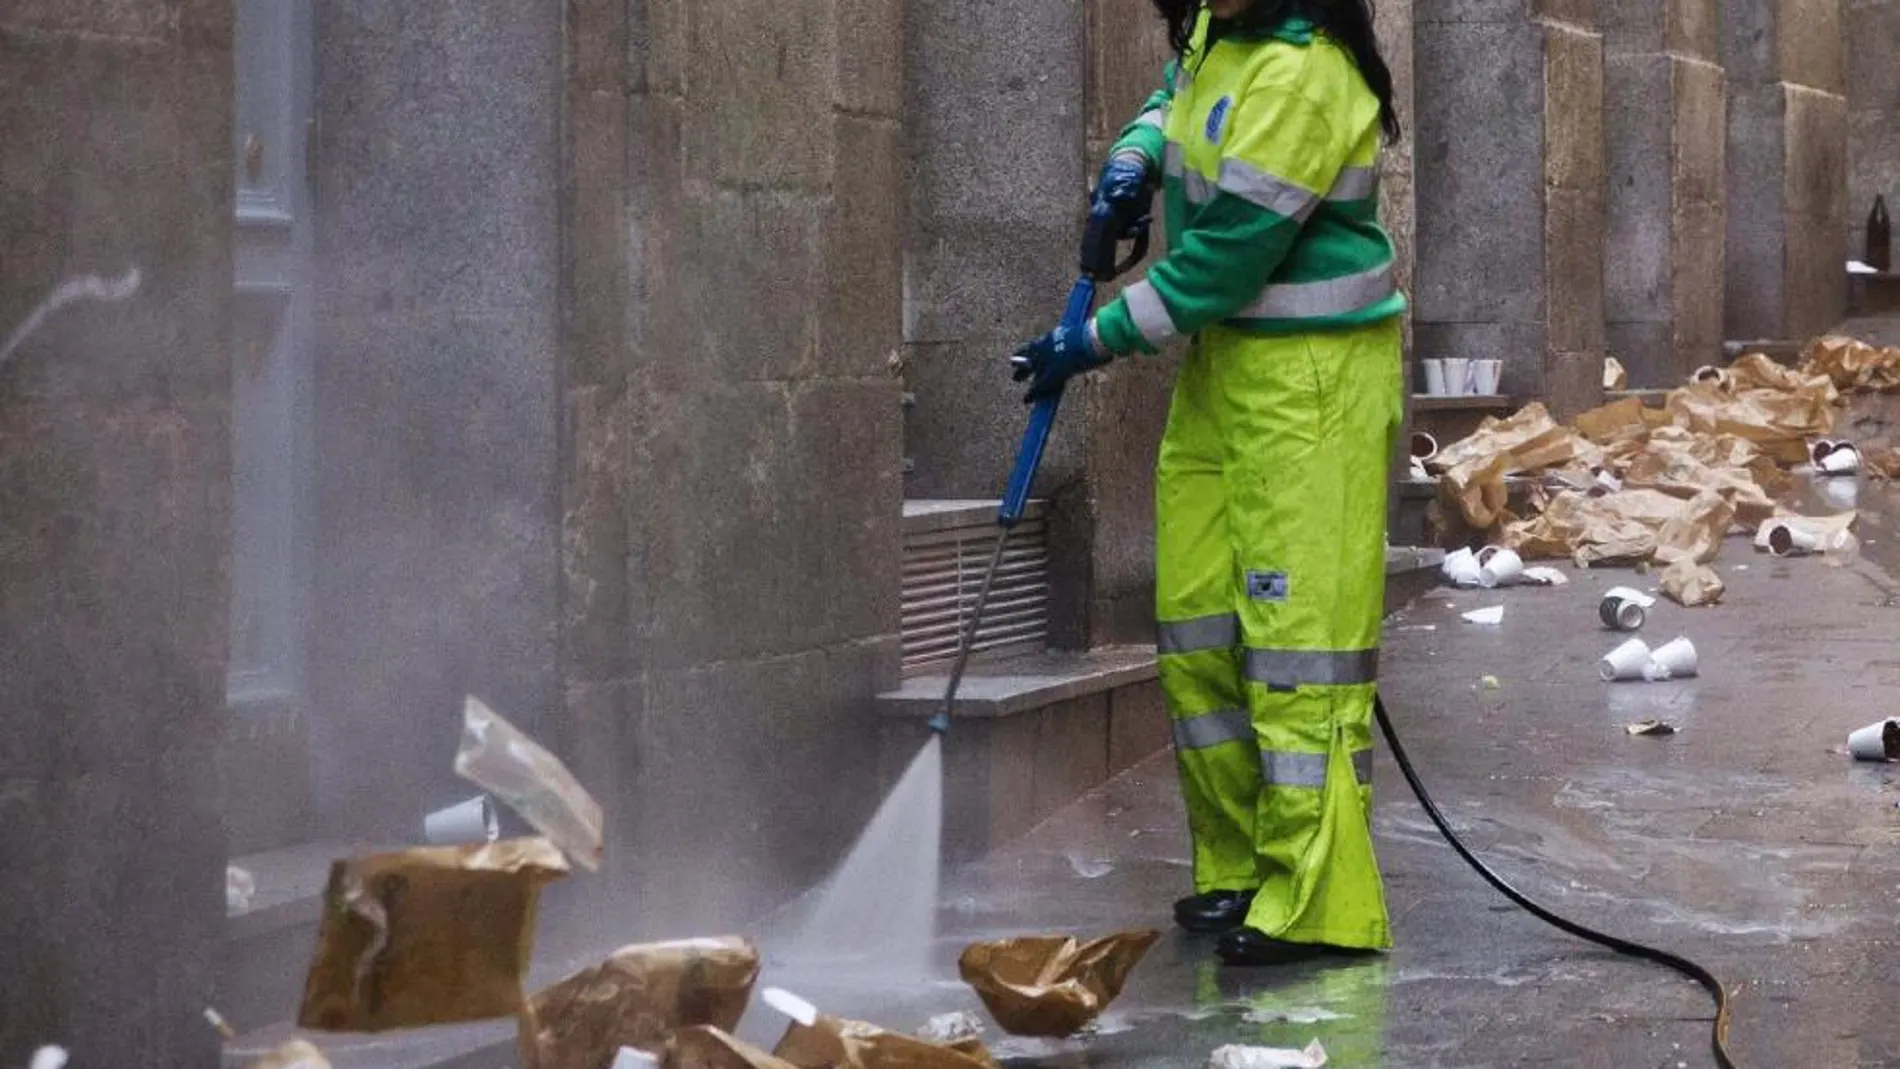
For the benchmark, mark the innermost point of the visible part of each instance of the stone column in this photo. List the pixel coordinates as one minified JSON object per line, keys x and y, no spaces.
{"x":1665,"y":123}
{"x":1787,"y":167}
{"x":1873,"y":114}
{"x":1509,"y":161}
{"x":115,"y":525}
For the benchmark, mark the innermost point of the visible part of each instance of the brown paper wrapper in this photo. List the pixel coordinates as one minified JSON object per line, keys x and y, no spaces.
{"x":1695,"y":534}
{"x":296,"y":1054}
{"x":638,"y":997}
{"x":1881,"y":462}
{"x":1778,"y":421}
{"x":432,"y":935}
{"x":1690,"y":584}
{"x":1616,"y":421}
{"x":1852,"y":365}
{"x":1051,"y":985}
{"x":839,"y":1043}
{"x":707,"y":1047}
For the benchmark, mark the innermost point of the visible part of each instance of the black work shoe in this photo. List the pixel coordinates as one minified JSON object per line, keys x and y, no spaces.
{"x":1252,"y":948}
{"x":1215,"y":911}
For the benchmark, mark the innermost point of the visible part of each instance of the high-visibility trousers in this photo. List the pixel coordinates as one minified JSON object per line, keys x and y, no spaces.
{"x":1270,"y":583}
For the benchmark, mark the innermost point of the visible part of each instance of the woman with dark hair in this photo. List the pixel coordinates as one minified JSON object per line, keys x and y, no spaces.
{"x":1271,"y":481}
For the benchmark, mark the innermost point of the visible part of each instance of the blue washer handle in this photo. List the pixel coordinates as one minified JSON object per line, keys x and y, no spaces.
{"x":1042,"y":418}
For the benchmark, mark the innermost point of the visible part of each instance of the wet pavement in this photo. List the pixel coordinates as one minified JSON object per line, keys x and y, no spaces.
{"x":1747,"y":841}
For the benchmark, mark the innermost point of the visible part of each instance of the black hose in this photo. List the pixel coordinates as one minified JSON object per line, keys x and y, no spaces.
{"x":1718,"y":1039}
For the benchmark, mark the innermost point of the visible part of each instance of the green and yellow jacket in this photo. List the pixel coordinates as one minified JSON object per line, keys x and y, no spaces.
{"x":1268,"y":140}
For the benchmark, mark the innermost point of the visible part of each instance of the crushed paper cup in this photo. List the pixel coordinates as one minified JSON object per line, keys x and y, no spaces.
{"x":1492,"y":615}
{"x":1239,"y":1057}
{"x":498,"y":758}
{"x":706,"y":1047}
{"x":1650,"y":727}
{"x":1624,"y":663}
{"x":471,"y":821}
{"x":1876,"y":742}
{"x":1690,"y":584}
{"x":296,"y":1054}
{"x":1544,"y":575}
{"x":395,"y":925}
{"x":1842,"y":459}
{"x":1672,"y":660}
{"x":637,"y":997}
{"x":838,"y":1043}
{"x":1720,"y":378}
{"x":1051,"y":985}
{"x":1499,"y":567}
{"x":1461,"y":567}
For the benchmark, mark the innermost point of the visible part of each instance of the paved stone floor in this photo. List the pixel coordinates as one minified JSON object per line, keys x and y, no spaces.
{"x":1745,"y":841}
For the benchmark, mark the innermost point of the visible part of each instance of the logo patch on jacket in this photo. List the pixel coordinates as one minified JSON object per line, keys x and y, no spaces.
{"x":1217,"y":119}
{"x":1267,"y":586}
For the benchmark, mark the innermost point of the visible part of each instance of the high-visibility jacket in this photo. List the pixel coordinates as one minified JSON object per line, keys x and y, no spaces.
{"x":1272,"y":221}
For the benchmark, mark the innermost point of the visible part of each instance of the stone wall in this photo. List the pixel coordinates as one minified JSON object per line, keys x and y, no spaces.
{"x":1510,"y":168}
{"x":732,"y":442}
{"x":1873,"y":113}
{"x":1787,"y":167}
{"x":114,"y":519}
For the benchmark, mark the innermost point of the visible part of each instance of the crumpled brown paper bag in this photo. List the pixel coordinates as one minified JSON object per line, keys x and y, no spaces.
{"x":1695,"y":534}
{"x":706,"y":1047}
{"x":1613,"y":422}
{"x":1780,"y":422}
{"x":296,"y":1054}
{"x":839,"y":1043}
{"x":1758,"y":371}
{"x":1852,"y":364}
{"x":1051,"y":985}
{"x":638,"y":997}
{"x":426,"y":936}
{"x":1690,"y":584}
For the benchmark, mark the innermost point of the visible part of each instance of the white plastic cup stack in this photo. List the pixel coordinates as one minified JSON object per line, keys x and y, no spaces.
{"x":1457,"y":376}
{"x":472,"y":821}
{"x":1626,"y":662}
{"x":1499,"y":567}
{"x":1876,"y":742}
{"x":1485,"y":375}
{"x":1434,"y":377}
{"x":1673,"y":660}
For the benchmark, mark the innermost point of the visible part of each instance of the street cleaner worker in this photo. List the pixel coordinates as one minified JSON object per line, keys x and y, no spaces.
{"x":1271,"y":481}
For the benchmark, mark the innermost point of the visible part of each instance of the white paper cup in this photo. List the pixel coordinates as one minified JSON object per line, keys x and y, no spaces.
{"x":1485,"y":375}
{"x":1625,"y":662}
{"x":473,"y":821}
{"x":1462,"y":568}
{"x":1621,"y":614}
{"x":1674,"y":660}
{"x":1501,"y":567}
{"x":1876,"y":742}
{"x":1424,"y":446}
{"x":1716,"y":376}
{"x":1788,"y":540}
{"x":1819,"y":449}
{"x":790,"y":1005}
{"x":1457,"y":376}
{"x":1434,"y":377}
{"x":1843,"y":459}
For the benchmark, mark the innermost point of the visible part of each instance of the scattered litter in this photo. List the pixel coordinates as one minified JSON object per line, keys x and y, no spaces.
{"x":1835,"y":458}
{"x":1089,"y":868}
{"x":1490,"y":683}
{"x":1614,"y":375}
{"x":1651,"y":727}
{"x":1461,"y":568}
{"x":1673,"y":660}
{"x":1498,"y":567}
{"x":1855,"y":267}
{"x":1492,"y":615}
{"x":840,"y":1043}
{"x":1416,"y":627}
{"x":497,"y":757}
{"x":1544,"y":575}
{"x":1623,"y":609}
{"x":296,"y":1054}
{"x":1238,"y":1057}
{"x":472,"y":821}
{"x":395,"y":925}
{"x":1876,"y":742}
{"x":705,"y":1047}
{"x":217,"y":1021}
{"x":48,"y":1057}
{"x":239,"y":886}
{"x":637,"y":997}
{"x":951,"y":1027}
{"x":1051,"y":985}
{"x":1691,"y":585}
{"x":634,"y":1058}
{"x":1626,"y":662}
{"x":1297,"y":1015}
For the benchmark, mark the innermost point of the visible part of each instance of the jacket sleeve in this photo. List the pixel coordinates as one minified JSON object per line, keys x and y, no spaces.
{"x":1277,"y":164}
{"x":1144,"y":136}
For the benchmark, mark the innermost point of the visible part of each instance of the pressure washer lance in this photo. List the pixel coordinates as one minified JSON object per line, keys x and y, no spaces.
{"x":1101,"y":242}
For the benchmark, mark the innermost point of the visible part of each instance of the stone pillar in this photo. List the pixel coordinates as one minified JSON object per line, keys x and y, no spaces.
{"x":1664,"y":118}
{"x":1787,"y":167}
{"x":1398,"y":208}
{"x":1509,"y":160}
{"x":115,"y":521}
{"x":1873,"y":113}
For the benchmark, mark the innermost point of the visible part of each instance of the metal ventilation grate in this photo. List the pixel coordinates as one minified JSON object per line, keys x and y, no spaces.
{"x":946,"y":545}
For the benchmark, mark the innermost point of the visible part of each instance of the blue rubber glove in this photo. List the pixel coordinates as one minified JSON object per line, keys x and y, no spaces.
{"x":1054,"y":359}
{"x":1124,"y":180}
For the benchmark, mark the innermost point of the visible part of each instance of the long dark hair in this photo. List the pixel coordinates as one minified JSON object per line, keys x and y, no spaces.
{"x":1347,"y":21}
